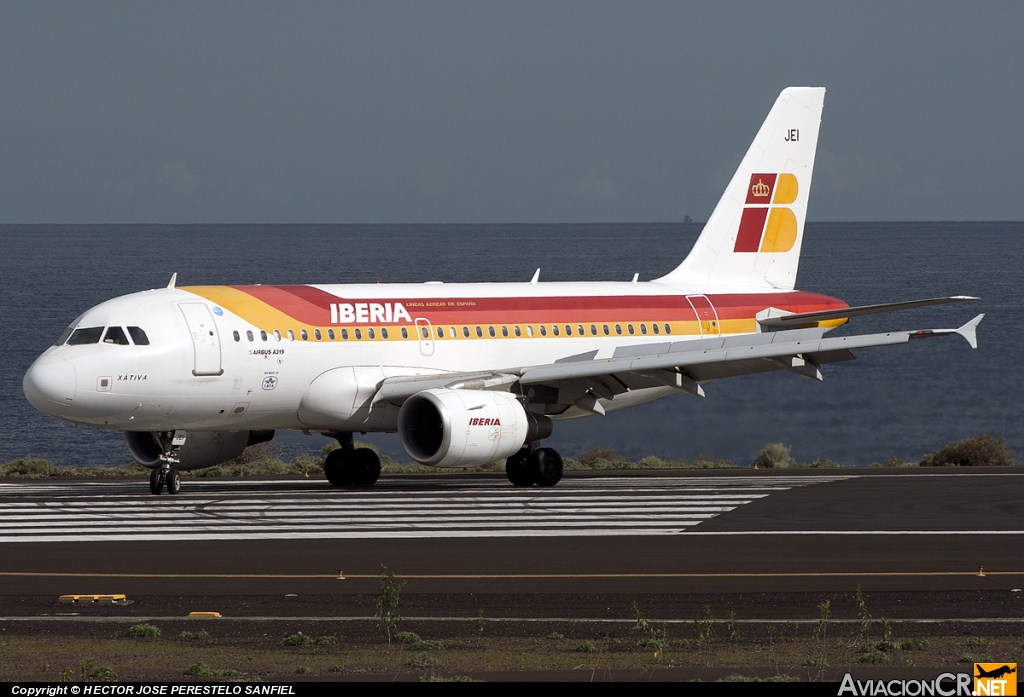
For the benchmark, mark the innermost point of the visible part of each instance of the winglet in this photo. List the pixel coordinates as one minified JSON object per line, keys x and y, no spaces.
{"x":174,"y":279}
{"x":536,"y":277}
{"x":969,"y":331}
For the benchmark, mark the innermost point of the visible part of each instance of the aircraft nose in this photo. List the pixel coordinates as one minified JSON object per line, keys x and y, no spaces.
{"x":50,"y":384}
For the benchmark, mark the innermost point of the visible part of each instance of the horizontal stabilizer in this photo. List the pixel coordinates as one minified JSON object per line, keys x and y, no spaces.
{"x":792,"y":321}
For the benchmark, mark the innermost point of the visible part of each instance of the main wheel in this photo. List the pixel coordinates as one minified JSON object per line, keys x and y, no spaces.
{"x":546,"y":465}
{"x":365,"y":466}
{"x":516,"y":469}
{"x":335,"y":469}
{"x":156,"y":484}
{"x":173,"y":481}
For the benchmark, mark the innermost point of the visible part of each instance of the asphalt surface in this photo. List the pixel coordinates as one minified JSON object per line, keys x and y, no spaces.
{"x":940,"y":537}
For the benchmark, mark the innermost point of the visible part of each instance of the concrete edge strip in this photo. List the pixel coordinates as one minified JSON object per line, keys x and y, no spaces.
{"x":536,"y":620}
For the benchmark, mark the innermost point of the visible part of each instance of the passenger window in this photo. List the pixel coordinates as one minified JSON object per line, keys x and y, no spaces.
{"x":490,"y":330}
{"x":249,"y":336}
{"x":344,"y":334}
{"x":440,"y":332}
{"x":277,"y":335}
{"x":654,"y":326}
{"x":479,"y":331}
{"x":604,"y":328}
{"x":629,"y":327}
{"x":568,"y":330}
{"x":543,"y":330}
{"x":330,"y":334}
{"x":529,"y":330}
{"x":304,"y":334}
{"x":643,"y":329}
{"x":138,"y":336}
{"x":465,"y":332}
{"x":579,"y":330}
{"x":593,"y":330}
{"x":237,"y":337}
{"x":554,"y":329}
{"x":115,"y":335}
{"x":668,"y":328}
{"x":291,"y":335}
{"x":452,"y":333}
{"x":370,"y":334}
{"x":518,"y":331}
{"x":405,"y":333}
{"x":317,"y":335}
{"x":263,"y":335}
{"x":618,"y":329}
{"x":384,"y":332}
{"x":358,"y":333}
{"x":424,"y":332}
{"x":504,"y":331}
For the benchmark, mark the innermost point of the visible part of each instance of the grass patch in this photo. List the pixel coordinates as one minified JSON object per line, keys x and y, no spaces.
{"x":201,"y":670}
{"x":143,"y":631}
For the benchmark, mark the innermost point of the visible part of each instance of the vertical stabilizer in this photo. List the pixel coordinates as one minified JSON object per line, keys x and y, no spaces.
{"x":752,"y":240}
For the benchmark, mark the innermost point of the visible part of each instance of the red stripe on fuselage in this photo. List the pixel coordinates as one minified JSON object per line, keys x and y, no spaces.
{"x":312,"y":306}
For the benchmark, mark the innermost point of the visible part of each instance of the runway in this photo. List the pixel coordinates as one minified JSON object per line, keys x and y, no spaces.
{"x":674,"y":532}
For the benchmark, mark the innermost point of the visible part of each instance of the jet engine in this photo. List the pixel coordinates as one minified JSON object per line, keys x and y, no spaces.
{"x":466,"y":428}
{"x":200,"y":449}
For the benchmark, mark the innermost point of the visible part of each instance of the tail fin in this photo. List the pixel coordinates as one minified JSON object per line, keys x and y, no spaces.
{"x":752,"y":240}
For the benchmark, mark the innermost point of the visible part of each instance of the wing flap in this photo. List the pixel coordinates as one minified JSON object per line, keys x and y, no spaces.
{"x":789,"y":321}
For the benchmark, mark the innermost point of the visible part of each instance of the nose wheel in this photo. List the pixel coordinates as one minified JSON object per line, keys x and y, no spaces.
{"x":160,"y":477}
{"x":156,"y":482}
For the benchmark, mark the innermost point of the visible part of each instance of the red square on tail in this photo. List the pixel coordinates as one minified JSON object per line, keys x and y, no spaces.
{"x":751,"y":227}
{"x":760,"y":189}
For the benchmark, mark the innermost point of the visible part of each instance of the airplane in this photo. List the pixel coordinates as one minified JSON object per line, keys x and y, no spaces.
{"x":468,"y":373}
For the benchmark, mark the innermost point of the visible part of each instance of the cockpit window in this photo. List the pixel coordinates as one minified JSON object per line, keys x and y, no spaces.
{"x":115,"y":335}
{"x":89,"y":335}
{"x":138,"y":336}
{"x":64,"y":336}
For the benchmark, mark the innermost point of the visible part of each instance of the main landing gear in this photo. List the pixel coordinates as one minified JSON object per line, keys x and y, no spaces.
{"x":351,"y":466}
{"x":164,"y":475}
{"x":542,"y":467}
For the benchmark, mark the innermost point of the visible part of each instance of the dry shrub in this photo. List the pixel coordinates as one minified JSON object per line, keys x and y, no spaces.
{"x":594,"y":457}
{"x":775,"y":456}
{"x":980,"y":451}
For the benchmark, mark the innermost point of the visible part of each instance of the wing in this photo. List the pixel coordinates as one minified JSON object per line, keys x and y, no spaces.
{"x":590,"y":384}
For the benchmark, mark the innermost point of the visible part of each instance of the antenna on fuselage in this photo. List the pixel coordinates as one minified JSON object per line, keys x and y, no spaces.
{"x":174,"y":279}
{"x":636,"y":277}
{"x":536,"y":277}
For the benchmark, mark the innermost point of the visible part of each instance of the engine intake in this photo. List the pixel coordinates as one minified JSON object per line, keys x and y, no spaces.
{"x":466,"y":428}
{"x":200,"y":449}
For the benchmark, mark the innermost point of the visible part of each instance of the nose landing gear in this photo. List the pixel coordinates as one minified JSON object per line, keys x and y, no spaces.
{"x":165,"y":474}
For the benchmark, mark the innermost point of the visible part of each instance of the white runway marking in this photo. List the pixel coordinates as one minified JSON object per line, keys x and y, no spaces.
{"x":253,"y":510}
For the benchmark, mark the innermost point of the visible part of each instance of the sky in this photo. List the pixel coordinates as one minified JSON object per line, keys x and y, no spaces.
{"x":497,"y":112}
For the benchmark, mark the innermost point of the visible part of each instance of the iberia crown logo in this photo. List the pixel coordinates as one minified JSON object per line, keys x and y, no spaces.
{"x":760,"y":189}
{"x":768,"y":225}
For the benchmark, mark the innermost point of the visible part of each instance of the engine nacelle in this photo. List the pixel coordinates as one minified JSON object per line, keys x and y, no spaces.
{"x":200,"y":449}
{"x":466,"y":428}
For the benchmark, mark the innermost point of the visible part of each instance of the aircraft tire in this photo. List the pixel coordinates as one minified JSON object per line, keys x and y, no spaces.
{"x":365,"y":467}
{"x":173,"y":481}
{"x":155,"y":485}
{"x":335,"y":467}
{"x":516,"y":469}
{"x":546,"y":466}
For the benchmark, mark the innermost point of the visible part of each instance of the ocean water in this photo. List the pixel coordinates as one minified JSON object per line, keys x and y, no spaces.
{"x":899,"y":401}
